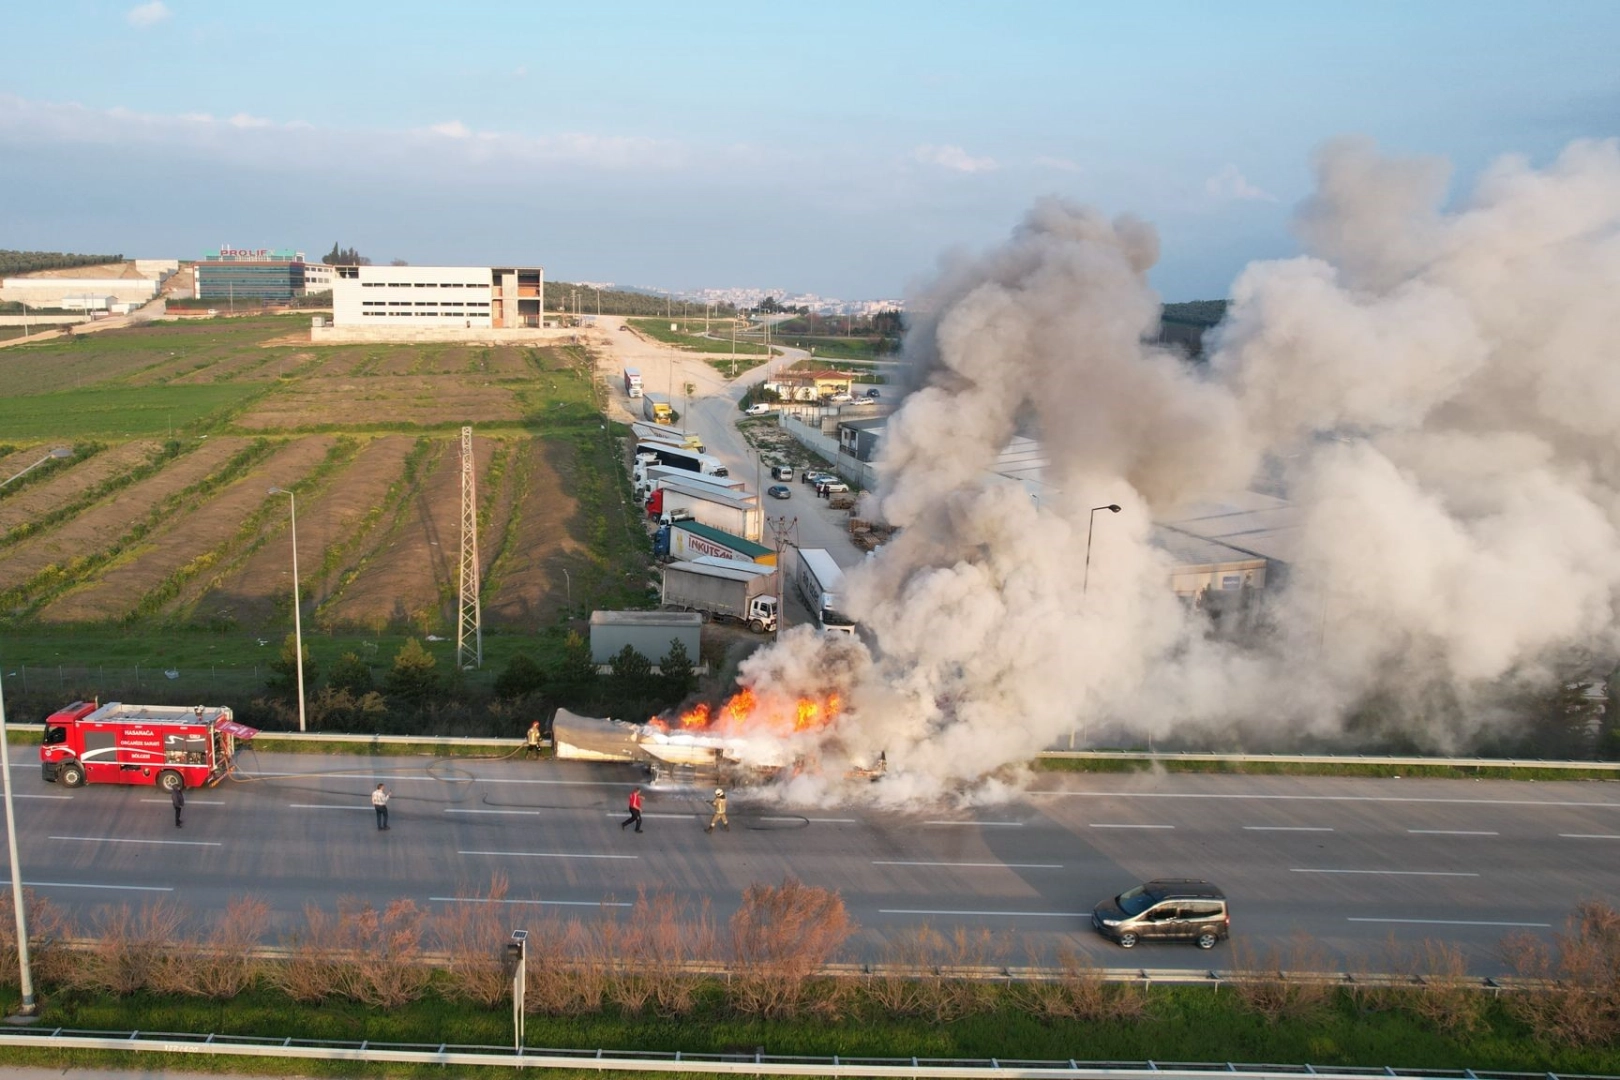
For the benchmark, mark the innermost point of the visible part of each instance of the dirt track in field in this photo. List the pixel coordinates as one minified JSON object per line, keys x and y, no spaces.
{"x":198,"y":531}
{"x":531,"y":587}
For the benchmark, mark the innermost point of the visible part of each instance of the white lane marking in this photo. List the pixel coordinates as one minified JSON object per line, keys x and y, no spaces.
{"x":190,"y":801}
{"x":973,"y":865}
{"x":703,"y":809}
{"x":509,"y":813}
{"x":1286,"y":828}
{"x":988,"y":824}
{"x":546,"y":855}
{"x":544,"y":903}
{"x":1105,"y":825}
{"x":814,"y":820}
{"x":401,"y":777}
{"x":1456,"y":922}
{"x":115,"y":840}
{"x":326,"y":806}
{"x":83,"y":885}
{"x":20,"y":796}
{"x":1392,"y":873}
{"x":996,"y":914}
{"x":1450,"y":832}
{"x":1550,"y":804}
{"x":1589,"y":836}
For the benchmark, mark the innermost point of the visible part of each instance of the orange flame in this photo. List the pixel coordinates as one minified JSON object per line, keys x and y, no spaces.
{"x":747,"y":712}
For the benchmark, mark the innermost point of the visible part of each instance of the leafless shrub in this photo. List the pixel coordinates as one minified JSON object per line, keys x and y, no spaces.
{"x":567,"y":973}
{"x":130,"y":949}
{"x":222,"y":965}
{"x":472,"y":936}
{"x":1274,"y":984}
{"x":1082,"y":992}
{"x":1581,"y":1004}
{"x":898,"y":987}
{"x":48,"y":925}
{"x":363,"y":954}
{"x":652,"y":952}
{"x":779,"y":937}
{"x":925,"y":973}
{"x":1437,"y":988}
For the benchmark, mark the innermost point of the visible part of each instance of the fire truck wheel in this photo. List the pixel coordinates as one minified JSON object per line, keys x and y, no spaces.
{"x":757,"y":626}
{"x":71,"y":774}
{"x":168,"y":780}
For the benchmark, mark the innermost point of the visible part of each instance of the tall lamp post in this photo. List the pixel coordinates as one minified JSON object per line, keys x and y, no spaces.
{"x":298,"y":626}
{"x":28,"y":1008}
{"x":1090,"y":521}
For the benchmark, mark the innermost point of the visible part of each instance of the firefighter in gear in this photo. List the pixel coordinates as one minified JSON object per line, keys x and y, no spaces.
{"x":531,"y":748}
{"x":719,"y":818}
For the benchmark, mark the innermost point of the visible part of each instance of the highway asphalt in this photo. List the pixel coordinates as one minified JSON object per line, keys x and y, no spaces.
{"x":1348,"y":863}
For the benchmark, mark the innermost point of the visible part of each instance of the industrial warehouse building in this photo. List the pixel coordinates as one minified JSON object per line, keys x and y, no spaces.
{"x":434,"y":303}
{"x":249,"y":275}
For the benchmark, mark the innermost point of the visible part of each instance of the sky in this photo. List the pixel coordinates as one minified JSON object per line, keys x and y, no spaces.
{"x":832,"y":148}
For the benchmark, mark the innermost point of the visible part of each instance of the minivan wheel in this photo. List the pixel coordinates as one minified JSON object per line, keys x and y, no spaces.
{"x":1207,"y":939}
{"x":1127,"y":940}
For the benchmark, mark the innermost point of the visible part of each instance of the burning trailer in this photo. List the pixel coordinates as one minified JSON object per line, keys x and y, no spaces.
{"x":661,"y":750}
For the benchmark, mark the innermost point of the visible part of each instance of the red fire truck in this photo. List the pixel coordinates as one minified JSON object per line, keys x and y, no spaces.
{"x":167,"y":745}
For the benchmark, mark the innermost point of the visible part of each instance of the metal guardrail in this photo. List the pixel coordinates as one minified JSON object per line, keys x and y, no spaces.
{"x":317,"y":738}
{"x":756,"y":1064}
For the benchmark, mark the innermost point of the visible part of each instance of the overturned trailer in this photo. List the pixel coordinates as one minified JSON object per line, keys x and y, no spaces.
{"x":660,"y":751}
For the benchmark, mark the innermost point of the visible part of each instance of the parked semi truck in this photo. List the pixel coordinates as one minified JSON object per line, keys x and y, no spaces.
{"x":661,"y":433}
{"x":649,"y":478}
{"x":692,"y":540}
{"x":820,"y":584}
{"x":656,"y":407}
{"x":738,"y":591}
{"x":730,"y":511}
{"x":169,"y":746}
{"x":632,"y":382}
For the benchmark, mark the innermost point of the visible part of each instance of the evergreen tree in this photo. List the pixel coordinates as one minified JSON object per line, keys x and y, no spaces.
{"x":679,"y":676}
{"x":413,"y":677}
{"x":284,"y":669}
{"x":575,"y":680}
{"x":631,"y":680}
{"x":521,"y":676}
{"x":352,"y":674}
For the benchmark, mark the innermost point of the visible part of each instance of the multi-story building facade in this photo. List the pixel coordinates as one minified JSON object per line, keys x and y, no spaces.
{"x":427,"y":297}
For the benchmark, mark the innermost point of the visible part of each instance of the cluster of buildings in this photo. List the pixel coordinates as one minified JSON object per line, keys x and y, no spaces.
{"x":116,"y":289}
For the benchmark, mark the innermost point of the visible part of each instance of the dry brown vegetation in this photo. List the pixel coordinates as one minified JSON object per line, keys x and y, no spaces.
{"x":1582,"y":969}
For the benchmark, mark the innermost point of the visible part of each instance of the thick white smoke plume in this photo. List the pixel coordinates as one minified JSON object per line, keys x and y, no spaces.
{"x":1436,"y":389}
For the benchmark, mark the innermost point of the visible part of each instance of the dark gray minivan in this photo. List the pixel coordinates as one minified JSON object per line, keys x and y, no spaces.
{"x":1169,"y":909}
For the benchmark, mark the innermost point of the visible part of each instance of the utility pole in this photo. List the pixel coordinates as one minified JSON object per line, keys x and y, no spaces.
{"x":785,"y":533}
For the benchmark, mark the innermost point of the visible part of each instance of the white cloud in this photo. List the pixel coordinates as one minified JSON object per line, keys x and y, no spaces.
{"x":454,"y":129}
{"x":954,"y":158}
{"x":1060,"y":164}
{"x":148,"y":14}
{"x":243,"y":120}
{"x":1230,"y":185}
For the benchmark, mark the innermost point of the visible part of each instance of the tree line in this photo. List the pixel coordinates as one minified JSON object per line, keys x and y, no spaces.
{"x":28,"y":262}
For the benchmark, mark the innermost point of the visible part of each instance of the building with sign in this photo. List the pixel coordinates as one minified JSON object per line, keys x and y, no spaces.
{"x":402,"y":299}
{"x":249,"y":275}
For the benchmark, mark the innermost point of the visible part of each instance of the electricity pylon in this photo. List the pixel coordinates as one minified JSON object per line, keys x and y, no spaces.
{"x":470,"y":624}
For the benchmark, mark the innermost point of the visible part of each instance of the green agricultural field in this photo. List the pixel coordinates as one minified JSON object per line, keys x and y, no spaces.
{"x":689,"y":335}
{"x":122,"y":412}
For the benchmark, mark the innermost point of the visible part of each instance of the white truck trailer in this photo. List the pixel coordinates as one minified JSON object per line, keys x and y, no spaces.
{"x":820,"y":583}
{"x":728,"y":511}
{"x":649,"y":478}
{"x":738,"y":591}
{"x":662,"y":433}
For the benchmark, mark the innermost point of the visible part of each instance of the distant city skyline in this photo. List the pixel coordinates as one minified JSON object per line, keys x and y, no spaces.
{"x":845,"y":150}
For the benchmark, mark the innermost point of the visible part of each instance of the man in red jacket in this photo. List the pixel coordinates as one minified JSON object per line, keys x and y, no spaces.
{"x":635,"y":810}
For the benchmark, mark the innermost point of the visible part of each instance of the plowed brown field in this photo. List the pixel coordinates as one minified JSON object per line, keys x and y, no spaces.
{"x":421,"y":400}
{"x":332,"y":515}
{"x":98,"y":528}
{"x":197,"y":531}
{"x":531,"y":587}
{"x":33,"y":503}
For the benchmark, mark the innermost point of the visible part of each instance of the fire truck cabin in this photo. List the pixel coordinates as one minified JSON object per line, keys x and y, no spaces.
{"x":166,"y":745}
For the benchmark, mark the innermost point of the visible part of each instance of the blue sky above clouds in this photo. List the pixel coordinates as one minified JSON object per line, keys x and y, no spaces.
{"x":833,"y":147}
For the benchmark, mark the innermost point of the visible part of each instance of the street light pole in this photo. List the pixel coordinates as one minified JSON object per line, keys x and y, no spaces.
{"x":28,"y":1009}
{"x":1090,"y":521}
{"x":298,"y":623}
{"x":59,"y":452}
